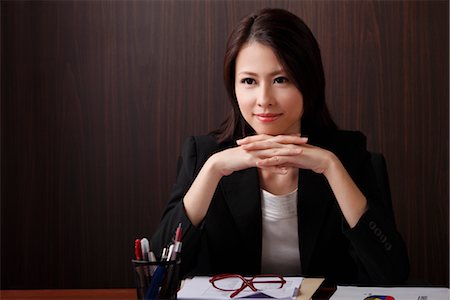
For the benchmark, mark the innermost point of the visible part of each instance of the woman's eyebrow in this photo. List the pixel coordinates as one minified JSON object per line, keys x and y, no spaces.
{"x":276,"y":72}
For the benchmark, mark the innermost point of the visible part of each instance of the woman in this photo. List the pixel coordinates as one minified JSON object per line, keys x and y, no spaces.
{"x":278,"y":188}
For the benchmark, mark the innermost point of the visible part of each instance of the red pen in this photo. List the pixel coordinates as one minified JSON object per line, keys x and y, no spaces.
{"x":177,"y":247}
{"x":172,"y":284}
{"x":138,"y":249}
{"x":178,"y":233}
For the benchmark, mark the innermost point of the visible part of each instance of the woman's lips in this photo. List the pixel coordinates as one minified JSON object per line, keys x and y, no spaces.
{"x":267,"y":117}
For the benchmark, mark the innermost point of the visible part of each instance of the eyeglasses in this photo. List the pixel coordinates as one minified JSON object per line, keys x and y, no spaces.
{"x":236,"y":283}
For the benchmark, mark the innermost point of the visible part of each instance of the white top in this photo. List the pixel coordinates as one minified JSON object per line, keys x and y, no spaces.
{"x":280,"y":248}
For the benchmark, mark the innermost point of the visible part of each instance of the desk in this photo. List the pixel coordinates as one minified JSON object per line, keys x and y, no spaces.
{"x":308,"y":287}
{"x":111,"y":294}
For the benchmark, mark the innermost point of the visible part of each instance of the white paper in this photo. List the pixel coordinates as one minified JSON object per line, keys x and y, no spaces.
{"x":399,"y":293}
{"x":200,"y":288}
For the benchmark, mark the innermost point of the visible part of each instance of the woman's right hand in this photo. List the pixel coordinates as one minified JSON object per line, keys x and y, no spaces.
{"x":233,"y":159}
{"x":223,"y":163}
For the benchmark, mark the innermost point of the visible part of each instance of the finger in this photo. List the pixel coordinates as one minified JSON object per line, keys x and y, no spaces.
{"x":290,"y":139}
{"x":272,"y":161}
{"x":275,"y":169}
{"x":260,"y":145}
{"x":253,"y":138}
{"x":285,"y":151}
{"x":294,"y":138}
{"x":274,"y":142}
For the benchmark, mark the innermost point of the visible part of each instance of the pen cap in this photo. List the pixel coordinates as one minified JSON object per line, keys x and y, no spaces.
{"x":145,"y":248}
{"x":138,"y":249}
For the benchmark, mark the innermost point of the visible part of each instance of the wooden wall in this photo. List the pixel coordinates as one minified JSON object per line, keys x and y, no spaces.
{"x":98,"y":96}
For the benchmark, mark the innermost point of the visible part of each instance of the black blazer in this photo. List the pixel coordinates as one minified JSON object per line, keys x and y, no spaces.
{"x":230,"y":237}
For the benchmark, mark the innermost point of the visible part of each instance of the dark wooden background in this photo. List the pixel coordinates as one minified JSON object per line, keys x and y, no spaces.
{"x":98,"y":96}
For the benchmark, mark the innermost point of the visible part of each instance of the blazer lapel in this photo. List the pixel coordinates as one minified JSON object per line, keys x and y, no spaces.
{"x":313,"y":204}
{"x":242,"y":193}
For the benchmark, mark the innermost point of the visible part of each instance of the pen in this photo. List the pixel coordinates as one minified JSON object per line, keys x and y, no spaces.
{"x":178,"y":233}
{"x":138,"y":249}
{"x":145,"y":248}
{"x":177,"y":247}
{"x":170,"y":252}
{"x":171,"y":282}
{"x":164,"y":254}
{"x":143,"y":279}
{"x":157,"y":279}
{"x":152,"y":258}
{"x":174,"y":284}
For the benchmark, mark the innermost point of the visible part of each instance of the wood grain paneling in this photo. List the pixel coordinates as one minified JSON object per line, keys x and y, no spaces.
{"x":98,"y":96}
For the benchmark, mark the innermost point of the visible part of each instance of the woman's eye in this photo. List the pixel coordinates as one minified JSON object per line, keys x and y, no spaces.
{"x":248,"y":81}
{"x":280,"y":80}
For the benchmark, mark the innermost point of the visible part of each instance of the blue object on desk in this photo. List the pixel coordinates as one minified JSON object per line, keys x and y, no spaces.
{"x":258,"y":296}
{"x":378,"y":297}
{"x":157,"y":279}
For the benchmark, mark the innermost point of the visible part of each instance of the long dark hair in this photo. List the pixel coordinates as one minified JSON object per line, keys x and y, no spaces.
{"x":298,"y":52}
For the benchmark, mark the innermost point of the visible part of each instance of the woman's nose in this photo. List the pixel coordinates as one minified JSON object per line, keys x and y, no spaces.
{"x":265,"y":97}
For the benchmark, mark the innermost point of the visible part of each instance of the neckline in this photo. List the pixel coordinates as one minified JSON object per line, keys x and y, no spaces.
{"x":280,"y":196}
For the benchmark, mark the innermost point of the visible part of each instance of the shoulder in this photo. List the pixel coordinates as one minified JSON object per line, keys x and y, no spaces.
{"x":207,"y":143}
{"x":203,"y":146}
{"x":349,"y":146}
{"x":340,"y":139}
{"x":349,"y":141}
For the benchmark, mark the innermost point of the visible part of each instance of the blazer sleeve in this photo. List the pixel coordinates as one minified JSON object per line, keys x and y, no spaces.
{"x":195,"y":151}
{"x":175,"y":213}
{"x":377,"y":246}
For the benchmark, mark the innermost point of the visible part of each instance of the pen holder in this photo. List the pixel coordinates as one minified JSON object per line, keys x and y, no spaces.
{"x":157,"y":280}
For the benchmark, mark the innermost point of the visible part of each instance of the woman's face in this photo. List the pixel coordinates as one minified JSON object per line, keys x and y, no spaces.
{"x":267,"y":98}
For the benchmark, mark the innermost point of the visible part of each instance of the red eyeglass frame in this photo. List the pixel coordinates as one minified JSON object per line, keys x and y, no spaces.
{"x":245,"y":282}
